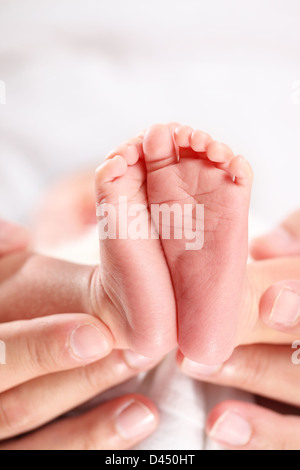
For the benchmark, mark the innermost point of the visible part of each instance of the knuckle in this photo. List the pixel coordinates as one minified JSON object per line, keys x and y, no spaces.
{"x":91,"y":442}
{"x":255,"y":368}
{"x":105,"y":374}
{"x":101,"y":436}
{"x":15,"y":415}
{"x":40,"y":355}
{"x":91,"y":377}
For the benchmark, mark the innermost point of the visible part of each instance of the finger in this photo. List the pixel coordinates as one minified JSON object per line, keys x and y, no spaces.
{"x":117,"y":425}
{"x":12,"y":238}
{"x":39,"y":347}
{"x":283,"y":241}
{"x":256,"y":307}
{"x":254,"y":369}
{"x":35,"y":286}
{"x":26,"y":407}
{"x":242,"y":426}
{"x":38,"y":286}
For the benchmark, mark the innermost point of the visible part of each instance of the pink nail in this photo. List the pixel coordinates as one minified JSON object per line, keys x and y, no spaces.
{"x":134,"y":421}
{"x":286,"y":308}
{"x":199,"y":370}
{"x":137,"y":361}
{"x":88,"y":342}
{"x":232,"y":429}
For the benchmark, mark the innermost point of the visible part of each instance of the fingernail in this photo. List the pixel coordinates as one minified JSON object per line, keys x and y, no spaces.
{"x":88,"y":342}
{"x":232,"y":429}
{"x":135,"y":420}
{"x":286,"y":308}
{"x":199,"y":370}
{"x":136,"y":361}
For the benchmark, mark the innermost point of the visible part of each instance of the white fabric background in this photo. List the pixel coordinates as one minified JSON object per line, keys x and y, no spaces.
{"x":83,"y":75}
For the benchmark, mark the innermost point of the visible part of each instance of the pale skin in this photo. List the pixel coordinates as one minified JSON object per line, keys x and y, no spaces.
{"x":42,"y":282}
{"x":45,"y":358}
{"x":265,"y":370}
{"x":169,"y":285}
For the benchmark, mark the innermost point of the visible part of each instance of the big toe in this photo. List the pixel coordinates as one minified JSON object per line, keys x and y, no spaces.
{"x":159,"y":147}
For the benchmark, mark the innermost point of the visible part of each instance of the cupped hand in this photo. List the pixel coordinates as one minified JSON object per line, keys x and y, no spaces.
{"x":52,"y":363}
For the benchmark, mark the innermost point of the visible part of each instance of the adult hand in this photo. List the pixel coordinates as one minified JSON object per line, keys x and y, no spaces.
{"x":271,"y":371}
{"x":35,"y":391}
{"x":52,"y":366}
{"x":283,"y":241}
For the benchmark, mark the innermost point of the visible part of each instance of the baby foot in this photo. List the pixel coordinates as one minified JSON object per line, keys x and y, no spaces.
{"x":137,"y":295}
{"x":187,"y":168}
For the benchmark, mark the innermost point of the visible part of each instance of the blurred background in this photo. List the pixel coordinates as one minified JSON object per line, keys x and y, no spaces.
{"x":84,"y":75}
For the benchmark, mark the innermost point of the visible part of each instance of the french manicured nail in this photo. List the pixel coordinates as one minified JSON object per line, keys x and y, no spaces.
{"x":232,"y":429}
{"x":136,"y":361}
{"x":88,"y":342}
{"x":286,"y":308}
{"x":199,"y":370}
{"x":134,"y":421}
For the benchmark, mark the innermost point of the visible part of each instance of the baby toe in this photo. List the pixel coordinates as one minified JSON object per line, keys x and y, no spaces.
{"x":241,"y":170}
{"x":110,"y":170}
{"x":219,"y":153}
{"x":182,"y":136}
{"x":159,"y":148}
{"x":200,"y":141}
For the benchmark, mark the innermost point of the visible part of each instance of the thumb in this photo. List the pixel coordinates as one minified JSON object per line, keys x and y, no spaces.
{"x":12,"y":238}
{"x":271,"y":313}
{"x":283,"y":241}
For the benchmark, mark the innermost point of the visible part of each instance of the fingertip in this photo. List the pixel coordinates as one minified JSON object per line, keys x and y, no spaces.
{"x":229,"y":425}
{"x":279,"y":242}
{"x":137,"y":361}
{"x":280,"y":307}
{"x":136,"y":418}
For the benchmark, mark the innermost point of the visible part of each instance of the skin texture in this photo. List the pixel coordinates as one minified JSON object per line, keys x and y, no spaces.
{"x":42,"y":367}
{"x":160,"y":277}
{"x":256,"y":368}
{"x":264,"y":424}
